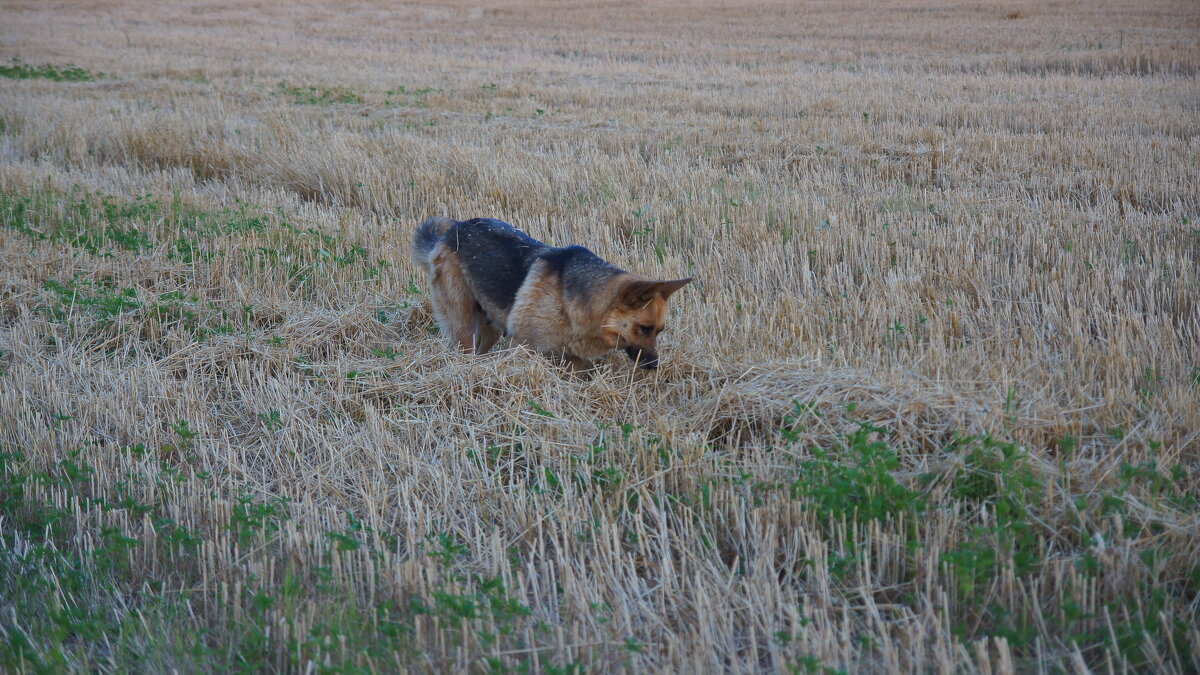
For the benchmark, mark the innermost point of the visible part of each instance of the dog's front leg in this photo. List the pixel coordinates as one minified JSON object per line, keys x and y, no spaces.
{"x":576,"y":364}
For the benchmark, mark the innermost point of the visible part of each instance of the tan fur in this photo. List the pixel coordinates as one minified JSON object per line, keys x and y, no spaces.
{"x":641,"y":303}
{"x":454,"y":304}
{"x":548,"y":322}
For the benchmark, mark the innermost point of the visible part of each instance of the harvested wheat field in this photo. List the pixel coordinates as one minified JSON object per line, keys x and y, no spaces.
{"x":931,"y":405}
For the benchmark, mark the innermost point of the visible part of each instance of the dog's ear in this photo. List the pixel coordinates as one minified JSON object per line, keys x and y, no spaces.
{"x":638,"y":292}
{"x":666,"y":288}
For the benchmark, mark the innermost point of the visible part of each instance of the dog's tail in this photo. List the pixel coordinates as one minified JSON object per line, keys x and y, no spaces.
{"x":426,"y":237}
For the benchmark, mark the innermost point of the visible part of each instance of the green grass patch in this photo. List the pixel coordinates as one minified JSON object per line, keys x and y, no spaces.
{"x":316,"y":95}
{"x":98,"y":300}
{"x":95,"y":223}
{"x":1004,"y":507}
{"x":108,"y":226}
{"x":854,"y":481}
{"x":19,"y":70}
{"x":80,"y":607}
{"x":84,"y":594}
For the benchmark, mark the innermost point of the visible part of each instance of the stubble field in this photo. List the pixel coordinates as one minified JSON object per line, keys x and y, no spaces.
{"x":931,"y":405}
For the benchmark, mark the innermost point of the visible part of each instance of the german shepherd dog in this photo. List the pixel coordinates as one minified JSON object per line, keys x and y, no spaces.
{"x":487,"y":278}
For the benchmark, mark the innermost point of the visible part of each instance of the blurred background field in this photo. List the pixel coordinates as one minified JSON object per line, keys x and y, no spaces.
{"x":932,"y":404}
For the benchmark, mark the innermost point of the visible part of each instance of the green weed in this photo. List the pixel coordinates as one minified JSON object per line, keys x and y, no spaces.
{"x":272,"y":420}
{"x":98,"y":224}
{"x":19,"y":70}
{"x":252,"y":518}
{"x":854,"y":483}
{"x":317,"y":95}
{"x":100,"y":301}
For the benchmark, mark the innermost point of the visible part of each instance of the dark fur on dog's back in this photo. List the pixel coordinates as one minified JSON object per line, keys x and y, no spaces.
{"x":496,"y":257}
{"x":488,"y":278}
{"x":581,"y":270}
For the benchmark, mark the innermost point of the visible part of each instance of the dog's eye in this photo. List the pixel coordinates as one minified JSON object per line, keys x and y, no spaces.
{"x":645,"y":330}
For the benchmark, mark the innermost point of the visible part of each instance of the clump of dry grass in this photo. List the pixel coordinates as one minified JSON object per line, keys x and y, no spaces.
{"x":930,"y":406}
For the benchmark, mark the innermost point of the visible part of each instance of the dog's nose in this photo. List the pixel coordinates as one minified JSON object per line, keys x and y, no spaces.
{"x":643,"y":358}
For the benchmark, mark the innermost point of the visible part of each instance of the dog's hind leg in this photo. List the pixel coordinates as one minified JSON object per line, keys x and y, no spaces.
{"x":453,"y":302}
{"x":486,"y":335}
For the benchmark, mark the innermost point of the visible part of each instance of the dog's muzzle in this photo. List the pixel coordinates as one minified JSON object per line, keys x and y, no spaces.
{"x":644,"y":359}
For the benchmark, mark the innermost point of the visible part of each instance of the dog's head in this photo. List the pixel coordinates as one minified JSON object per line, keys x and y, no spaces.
{"x":637,"y":315}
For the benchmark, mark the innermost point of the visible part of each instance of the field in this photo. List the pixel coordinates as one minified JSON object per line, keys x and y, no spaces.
{"x":931,"y":405}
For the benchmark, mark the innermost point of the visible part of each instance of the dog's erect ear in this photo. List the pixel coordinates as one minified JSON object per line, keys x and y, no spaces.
{"x":666,"y":288}
{"x":637,"y":293}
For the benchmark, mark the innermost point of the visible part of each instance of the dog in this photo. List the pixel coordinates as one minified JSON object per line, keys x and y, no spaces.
{"x":488,"y":279}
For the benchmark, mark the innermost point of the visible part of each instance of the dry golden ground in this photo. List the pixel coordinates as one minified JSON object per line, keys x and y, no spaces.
{"x":232,"y":439}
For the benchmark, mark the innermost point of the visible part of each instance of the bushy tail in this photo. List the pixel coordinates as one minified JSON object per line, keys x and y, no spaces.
{"x":426,"y":237}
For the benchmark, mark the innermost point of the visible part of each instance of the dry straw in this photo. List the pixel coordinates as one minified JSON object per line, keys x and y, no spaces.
{"x":231,"y":437}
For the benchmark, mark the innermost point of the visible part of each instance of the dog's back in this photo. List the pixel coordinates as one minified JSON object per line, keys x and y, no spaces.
{"x":495,"y":258}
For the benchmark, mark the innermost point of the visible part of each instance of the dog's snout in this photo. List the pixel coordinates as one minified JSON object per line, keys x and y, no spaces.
{"x":643,"y":358}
